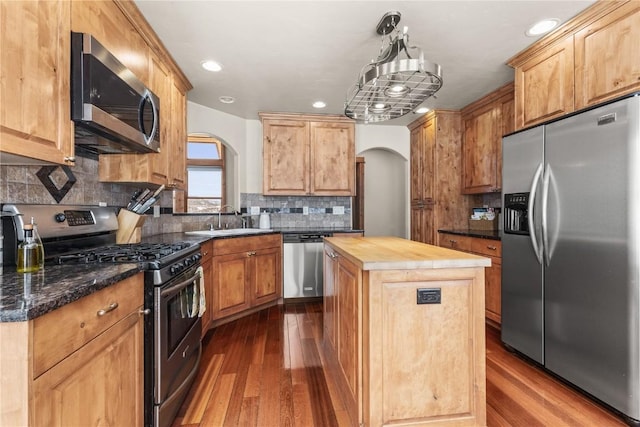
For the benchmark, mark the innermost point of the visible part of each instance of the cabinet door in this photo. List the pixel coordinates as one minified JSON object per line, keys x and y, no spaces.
{"x":606,"y":55}
{"x":422,"y":224}
{"x":422,"y":162}
{"x":416,"y":140}
{"x":348,"y":287}
{"x":480,"y":145}
{"x":285,"y":157}
{"x":492,"y":291}
{"x":35,"y":120}
{"x":266,"y":275}
{"x":162,"y":85}
{"x":332,"y":156}
{"x":544,"y":85}
{"x":230,"y":279}
{"x":99,"y":384}
{"x":177,"y":168}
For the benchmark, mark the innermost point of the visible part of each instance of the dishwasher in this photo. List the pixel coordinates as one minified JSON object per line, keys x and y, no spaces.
{"x":302,"y":264}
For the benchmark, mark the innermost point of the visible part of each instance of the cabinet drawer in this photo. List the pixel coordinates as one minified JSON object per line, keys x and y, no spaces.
{"x":453,"y":241}
{"x":241,"y":244}
{"x":63,"y":331}
{"x":487,"y":247}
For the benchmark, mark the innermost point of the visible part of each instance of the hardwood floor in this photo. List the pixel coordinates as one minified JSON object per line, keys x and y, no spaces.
{"x":266,"y":370}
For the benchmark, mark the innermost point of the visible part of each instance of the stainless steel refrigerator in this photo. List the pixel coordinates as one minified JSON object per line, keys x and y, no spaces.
{"x":571,"y":266}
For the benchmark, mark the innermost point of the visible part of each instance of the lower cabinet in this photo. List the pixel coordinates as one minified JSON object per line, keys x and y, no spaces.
{"x":493,"y":275}
{"x":247,"y":273}
{"x":76,"y":367}
{"x":399,"y":363}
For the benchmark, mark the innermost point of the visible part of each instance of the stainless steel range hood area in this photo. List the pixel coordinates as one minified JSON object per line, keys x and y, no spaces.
{"x":113,"y":111}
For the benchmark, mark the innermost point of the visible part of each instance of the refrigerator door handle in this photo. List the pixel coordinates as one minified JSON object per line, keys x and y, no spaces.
{"x":545,"y":202}
{"x":537,"y":249}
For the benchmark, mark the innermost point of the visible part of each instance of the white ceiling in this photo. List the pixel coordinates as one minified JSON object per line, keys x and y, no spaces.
{"x":281,"y":56}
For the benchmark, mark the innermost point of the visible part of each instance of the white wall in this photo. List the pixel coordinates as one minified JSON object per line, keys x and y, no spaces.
{"x":244,"y":137}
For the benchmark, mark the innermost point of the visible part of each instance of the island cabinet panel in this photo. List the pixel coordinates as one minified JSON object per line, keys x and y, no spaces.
{"x":399,"y":359}
{"x":35,"y":59}
{"x":409,"y":381}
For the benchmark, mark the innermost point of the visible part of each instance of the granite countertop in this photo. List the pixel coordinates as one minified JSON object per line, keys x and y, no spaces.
{"x":483,"y":234}
{"x":27,"y":296}
{"x":394,"y":253}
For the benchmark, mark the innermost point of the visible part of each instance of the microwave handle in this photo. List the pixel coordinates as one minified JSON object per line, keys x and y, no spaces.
{"x":148,"y":98}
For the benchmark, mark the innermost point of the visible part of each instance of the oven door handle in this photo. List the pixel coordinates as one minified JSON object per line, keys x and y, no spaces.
{"x":180,"y":285}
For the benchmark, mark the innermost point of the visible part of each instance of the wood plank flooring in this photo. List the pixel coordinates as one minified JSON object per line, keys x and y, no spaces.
{"x":266,"y":370}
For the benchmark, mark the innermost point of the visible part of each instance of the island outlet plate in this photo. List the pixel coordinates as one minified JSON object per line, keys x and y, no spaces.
{"x":429,"y":296}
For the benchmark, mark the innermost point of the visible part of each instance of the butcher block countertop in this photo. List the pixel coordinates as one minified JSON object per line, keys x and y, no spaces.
{"x":394,"y":253}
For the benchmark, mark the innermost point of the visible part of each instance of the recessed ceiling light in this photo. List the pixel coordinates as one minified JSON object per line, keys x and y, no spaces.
{"x":542,"y":27}
{"x":211,"y":66}
{"x":319,"y":104}
{"x":227,"y":99}
{"x":422,"y":110}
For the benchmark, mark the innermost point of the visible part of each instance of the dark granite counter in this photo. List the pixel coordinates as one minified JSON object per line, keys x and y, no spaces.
{"x":27,"y":296}
{"x":483,"y":234}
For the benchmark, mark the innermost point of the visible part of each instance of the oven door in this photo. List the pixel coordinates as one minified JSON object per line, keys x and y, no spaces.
{"x":177,"y":342}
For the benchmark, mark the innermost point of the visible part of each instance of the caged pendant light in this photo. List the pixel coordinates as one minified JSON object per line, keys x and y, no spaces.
{"x":390,"y":86}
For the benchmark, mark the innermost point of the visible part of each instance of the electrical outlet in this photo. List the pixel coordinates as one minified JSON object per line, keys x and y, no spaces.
{"x":305,"y":210}
{"x":338,"y":210}
{"x":429,"y":296}
{"x":156,"y":211}
{"x":254,"y":210}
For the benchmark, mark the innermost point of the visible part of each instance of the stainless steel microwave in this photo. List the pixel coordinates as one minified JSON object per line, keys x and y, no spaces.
{"x":113,"y":111}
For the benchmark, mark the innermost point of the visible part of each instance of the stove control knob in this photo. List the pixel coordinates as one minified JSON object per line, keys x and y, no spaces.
{"x":189,"y":261}
{"x":60,"y":217}
{"x":197,"y":257}
{"x":175,"y":269}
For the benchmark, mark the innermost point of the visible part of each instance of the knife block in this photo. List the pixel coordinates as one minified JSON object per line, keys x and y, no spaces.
{"x":129,"y":227}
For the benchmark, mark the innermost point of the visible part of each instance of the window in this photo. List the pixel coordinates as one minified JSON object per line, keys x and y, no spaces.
{"x":205,"y":174}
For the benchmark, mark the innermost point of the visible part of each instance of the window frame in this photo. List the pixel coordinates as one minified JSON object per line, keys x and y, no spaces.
{"x":207,"y":163}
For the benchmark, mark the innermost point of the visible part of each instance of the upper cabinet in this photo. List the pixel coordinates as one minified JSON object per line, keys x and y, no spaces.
{"x":591,"y":59}
{"x":35,"y":59}
{"x":484,"y":123}
{"x":436,"y":199}
{"x":308,"y":155}
{"x":35,"y":122}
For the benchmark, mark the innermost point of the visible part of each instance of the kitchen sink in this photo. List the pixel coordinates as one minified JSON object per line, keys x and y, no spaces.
{"x":229,"y":232}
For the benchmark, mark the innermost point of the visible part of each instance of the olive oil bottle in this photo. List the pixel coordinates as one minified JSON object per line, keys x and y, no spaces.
{"x":29,"y":252}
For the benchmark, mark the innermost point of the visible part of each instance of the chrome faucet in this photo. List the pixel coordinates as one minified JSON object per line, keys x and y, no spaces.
{"x":220,"y":211}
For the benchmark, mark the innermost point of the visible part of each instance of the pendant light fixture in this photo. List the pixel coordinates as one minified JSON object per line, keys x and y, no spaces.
{"x":390,"y":86}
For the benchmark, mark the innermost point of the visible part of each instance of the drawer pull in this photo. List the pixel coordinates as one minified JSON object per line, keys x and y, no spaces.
{"x":453,"y":242}
{"x":252,"y":253}
{"x":104,"y":311}
{"x":493,"y":248}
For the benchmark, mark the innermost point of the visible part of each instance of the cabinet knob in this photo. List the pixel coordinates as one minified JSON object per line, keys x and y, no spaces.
{"x":110,"y":308}
{"x":252,"y":253}
{"x":493,"y":248}
{"x":145,"y":312}
{"x":70,"y":159}
{"x":452,"y":241}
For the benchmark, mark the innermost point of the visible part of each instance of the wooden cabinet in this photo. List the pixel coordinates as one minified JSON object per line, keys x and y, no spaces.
{"x":247,"y":273}
{"x":206,"y":249}
{"x":79,"y":355}
{"x":607,"y":64}
{"x":308,"y":155}
{"x":436,"y":199}
{"x":590,"y":59}
{"x":396,"y":362}
{"x":493,"y":275}
{"x":485,"y":121}
{"x":35,"y":59}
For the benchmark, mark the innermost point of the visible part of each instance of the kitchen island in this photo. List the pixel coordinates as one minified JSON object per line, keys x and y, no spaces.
{"x":404,"y":331}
